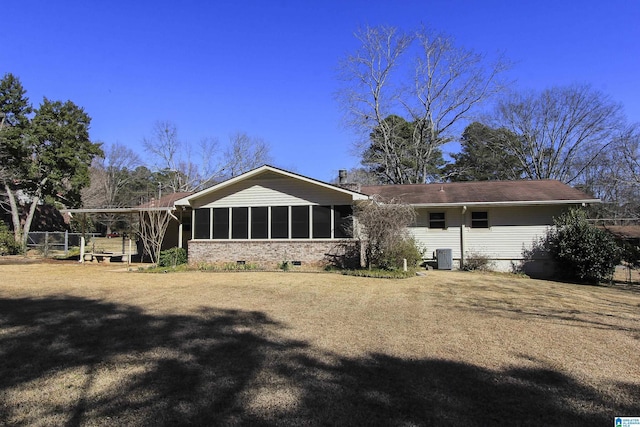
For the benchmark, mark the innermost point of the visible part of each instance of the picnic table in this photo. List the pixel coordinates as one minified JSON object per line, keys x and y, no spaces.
{"x":105,"y":257}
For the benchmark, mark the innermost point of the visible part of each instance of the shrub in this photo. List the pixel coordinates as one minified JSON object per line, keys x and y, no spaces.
{"x":582,"y":252}
{"x":405,"y":248}
{"x":475,"y":261}
{"x":8,"y":244}
{"x":379,"y":274}
{"x":172,"y":257}
{"x":383,"y":230}
{"x":284,"y":266}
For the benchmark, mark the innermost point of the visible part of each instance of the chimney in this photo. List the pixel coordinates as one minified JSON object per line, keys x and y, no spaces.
{"x":342,"y":176}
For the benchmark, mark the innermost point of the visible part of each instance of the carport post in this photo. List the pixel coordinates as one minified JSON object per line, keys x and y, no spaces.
{"x":81,"y":249}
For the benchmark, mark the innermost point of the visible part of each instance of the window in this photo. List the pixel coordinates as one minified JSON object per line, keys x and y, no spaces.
{"x":275,"y":222}
{"x":436,"y":220}
{"x":202,"y":224}
{"x":259,"y":223}
{"x":479,"y":219}
{"x":239,"y":223}
{"x":300,"y":222}
{"x":279,"y":222}
{"x":186,"y":222}
{"x":220,"y":223}
{"x":322,"y":222}
{"x":343,"y":221}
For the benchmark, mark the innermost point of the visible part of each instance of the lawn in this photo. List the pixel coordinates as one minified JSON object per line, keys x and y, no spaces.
{"x":97,"y":345}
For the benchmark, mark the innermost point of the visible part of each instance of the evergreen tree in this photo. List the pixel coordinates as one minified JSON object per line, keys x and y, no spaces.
{"x":45,"y":158}
{"x":485,"y":156}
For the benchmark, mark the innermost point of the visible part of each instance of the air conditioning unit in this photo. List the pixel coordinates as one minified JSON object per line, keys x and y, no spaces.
{"x":444,"y":258}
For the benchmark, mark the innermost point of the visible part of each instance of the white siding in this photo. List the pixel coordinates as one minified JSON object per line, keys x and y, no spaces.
{"x":432,"y":239}
{"x":503,"y":242}
{"x":511,"y":229}
{"x":273,"y":190}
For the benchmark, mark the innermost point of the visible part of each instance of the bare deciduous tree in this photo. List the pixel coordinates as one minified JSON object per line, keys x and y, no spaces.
{"x":561,"y":130}
{"x":245,"y":153}
{"x":110,"y":174}
{"x":630,"y":149}
{"x":370,"y":95}
{"x":382,"y":227}
{"x":174,"y":158}
{"x":153,"y":223}
{"x":448,"y":82}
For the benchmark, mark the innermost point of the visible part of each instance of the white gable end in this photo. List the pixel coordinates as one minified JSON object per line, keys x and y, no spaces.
{"x":272,"y":191}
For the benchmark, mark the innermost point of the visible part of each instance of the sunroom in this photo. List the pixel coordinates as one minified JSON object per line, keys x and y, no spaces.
{"x":268,"y":216}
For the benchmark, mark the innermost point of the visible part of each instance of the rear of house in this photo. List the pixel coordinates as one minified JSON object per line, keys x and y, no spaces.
{"x":268,"y":216}
{"x":494,"y":219}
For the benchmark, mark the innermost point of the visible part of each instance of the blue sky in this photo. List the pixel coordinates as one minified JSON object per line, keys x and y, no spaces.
{"x":268,"y":68}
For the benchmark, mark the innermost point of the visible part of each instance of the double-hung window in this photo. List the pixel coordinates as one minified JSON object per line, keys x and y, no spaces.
{"x":436,"y":220}
{"x":479,"y":219}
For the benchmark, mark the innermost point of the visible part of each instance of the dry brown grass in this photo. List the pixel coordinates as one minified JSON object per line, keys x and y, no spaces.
{"x":95,"y":345}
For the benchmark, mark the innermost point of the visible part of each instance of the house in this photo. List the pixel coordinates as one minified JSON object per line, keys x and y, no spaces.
{"x":176,"y":226}
{"x":496,"y":219}
{"x":269,"y":215}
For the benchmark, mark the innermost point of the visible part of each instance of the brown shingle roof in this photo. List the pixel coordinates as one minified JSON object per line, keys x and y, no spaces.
{"x":538,"y":191}
{"x":165,"y":201}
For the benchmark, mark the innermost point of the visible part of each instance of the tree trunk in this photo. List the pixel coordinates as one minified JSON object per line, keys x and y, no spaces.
{"x":28,"y":220}
{"x":15,"y":214}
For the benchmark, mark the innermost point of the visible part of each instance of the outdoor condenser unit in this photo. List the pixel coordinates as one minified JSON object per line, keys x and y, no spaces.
{"x":444,"y":258}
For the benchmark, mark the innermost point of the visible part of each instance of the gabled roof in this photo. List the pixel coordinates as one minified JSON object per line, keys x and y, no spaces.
{"x":536,"y":192}
{"x":186,"y":201}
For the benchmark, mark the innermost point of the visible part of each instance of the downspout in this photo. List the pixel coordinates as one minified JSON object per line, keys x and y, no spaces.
{"x":462,"y":236}
{"x":180,"y":230}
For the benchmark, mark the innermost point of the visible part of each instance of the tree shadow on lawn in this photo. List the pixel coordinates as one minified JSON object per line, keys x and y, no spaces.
{"x":603,"y":319}
{"x":74,"y":361}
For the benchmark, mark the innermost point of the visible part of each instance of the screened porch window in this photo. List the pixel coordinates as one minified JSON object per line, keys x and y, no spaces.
{"x":300,"y":222}
{"x":240,"y":223}
{"x":343,"y":217}
{"x":322,"y":222}
{"x":279,"y":222}
{"x":221,"y":223}
{"x":202,"y":223}
{"x":275,"y":222}
{"x":259,"y":223}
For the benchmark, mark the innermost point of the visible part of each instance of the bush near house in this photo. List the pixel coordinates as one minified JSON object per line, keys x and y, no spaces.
{"x":583,"y":252}
{"x":476,"y":261}
{"x":404,"y":248}
{"x":8,"y":244}
{"x":172,"y":257}
{"x":383,"y":232}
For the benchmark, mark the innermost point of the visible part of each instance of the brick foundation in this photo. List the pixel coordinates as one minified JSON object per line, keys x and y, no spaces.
{"x":269,"y":253}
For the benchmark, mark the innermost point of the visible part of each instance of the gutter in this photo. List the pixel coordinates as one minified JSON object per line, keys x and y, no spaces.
{"x":510,"y":203}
